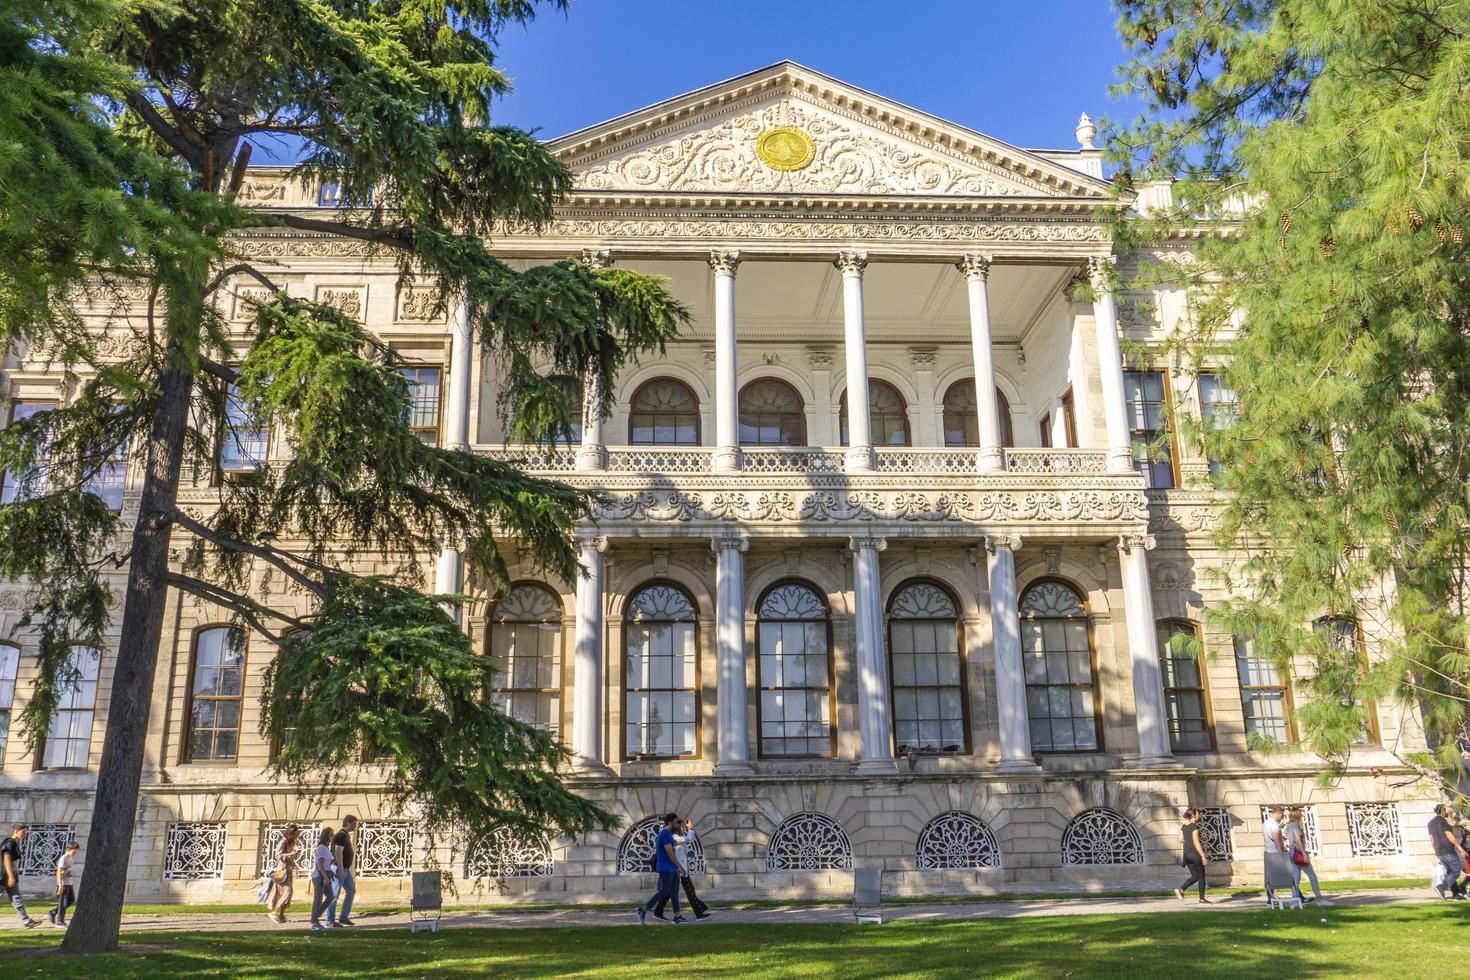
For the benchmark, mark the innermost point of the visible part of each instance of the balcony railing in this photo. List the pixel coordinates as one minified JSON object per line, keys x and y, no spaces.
{"x":810,"y":461}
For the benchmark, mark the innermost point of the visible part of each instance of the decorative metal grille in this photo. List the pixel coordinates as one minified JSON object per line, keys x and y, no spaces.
{"x":384,"y":850}
{"x":957,"y":840}
{"x":1100,"y":837}
{"x":503,"y":855}
{"x":792,"y":601}
{"x":809,"y":842}
{"x":528,"y":603}
{"x":1051,"y":599}
{"x":923,"y":601}
{"x":637,"y":855}
{"x":1214,"y":833}
{"x":1309,"y":824}
{"x":44,"y":843}
{"x":1373,"y":829}
{"x":661,"y":604}
{"x":271,"y":832}
{"x":194,"y":852}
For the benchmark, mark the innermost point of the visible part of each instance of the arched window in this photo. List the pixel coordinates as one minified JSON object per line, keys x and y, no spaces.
{"x":1100,"y":837}
{"x":1061,"y":678}
{"x":637,"y":851}
{"x":526,"y":647}
{"x":664,"y":412}
{"x":888,"y":415}
{"x":215,"y":695}
{"x":795,"y":673}
{"x":957,"y":840}
{"x":504,"y":855}
{"x":928,"y":679}
{"x":69,"y":735}
{"x":809,"y":842}
{"x":1181,"y":662}
{"x":771,"y":414}
{"x":660,"y":677}
{"x":571,"y":390}
{"x":962,"y":424}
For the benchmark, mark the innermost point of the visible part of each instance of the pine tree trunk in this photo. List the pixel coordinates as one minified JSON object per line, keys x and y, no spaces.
{"x":98,"y":919}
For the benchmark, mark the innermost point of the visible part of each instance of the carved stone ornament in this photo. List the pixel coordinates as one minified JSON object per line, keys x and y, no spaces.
{"x":247,"y":299}
{"x":724,"y":262}
{"x":596,"y":258}
{"x":922,"y":357}
{"x":785,"y":148}
{"x":418,"y":306}
{"x":348,"y":300}
{"x":851,"y":263}
{"x":1135,"y":542}
{"x":819,"y":358}
{"x":994,"y":542}
{"x":974,"y":266}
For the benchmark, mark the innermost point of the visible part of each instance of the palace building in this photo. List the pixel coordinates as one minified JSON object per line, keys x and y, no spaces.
{"x":880,"y":577}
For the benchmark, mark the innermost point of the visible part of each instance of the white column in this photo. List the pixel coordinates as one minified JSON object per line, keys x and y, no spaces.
{"x":449,"y":568}
{"x":1110,"y":363}
{"x":1143,"y":651}
{"x":592,"y":453}
{"x":727,"y":428}
{"x":976,"y":268}
{"x":587,"y":670}
{"x":1010,"y":678}
{"x":733,"y":747}
{"x":874,"y":728}
{"x":860,"y":455}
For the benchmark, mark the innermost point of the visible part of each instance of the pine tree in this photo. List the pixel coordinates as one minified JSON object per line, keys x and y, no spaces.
{"x":126,"y":127}
{"x":1322,"y":147}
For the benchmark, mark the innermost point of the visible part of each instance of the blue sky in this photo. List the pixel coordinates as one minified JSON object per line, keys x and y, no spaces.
{"x":1020,"y":72}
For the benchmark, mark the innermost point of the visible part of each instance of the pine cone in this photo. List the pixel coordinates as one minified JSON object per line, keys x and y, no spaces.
{"x":1416,"y":220}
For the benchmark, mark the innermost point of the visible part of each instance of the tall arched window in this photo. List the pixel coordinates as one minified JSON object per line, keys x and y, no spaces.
{"x":962,"y":424}
{"x":661,"y":674}
{"x":1181,"y":662}
{"x":1347,"y":661}
{"x":888,"y":415}
{"x":664,"y":412}
{"x":69,"y":735}
{"x":771,"y":414}
{"x":1061,"y":678}
{"x":795,"y":673}
{"x":928,"y":679}
{"x":526,"y":647}
{"x":216,"y":692}
{"x":571,"y":390}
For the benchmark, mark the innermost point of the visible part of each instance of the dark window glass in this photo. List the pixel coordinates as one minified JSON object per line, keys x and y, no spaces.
{"x":1148,"y":422}
{"x":771,"y":414}
{"x":1181,"y":661}
{"x":664,"y":412}
{"x":1061,"y":684}
{"x":887,"y":415}
{"x":928,"y":682}
{"x":423,"y":402}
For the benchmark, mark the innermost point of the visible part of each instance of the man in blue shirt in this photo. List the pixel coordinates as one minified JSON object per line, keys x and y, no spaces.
{"x":666,"y":863}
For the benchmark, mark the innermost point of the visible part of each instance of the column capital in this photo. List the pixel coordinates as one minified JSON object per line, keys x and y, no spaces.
{"x":590,"y":539}
{"x":729,"y":542}
{"x":1100,"y":269}
{"x":994,"y":542}
{"x":975,"y":266}
{"x":1135,"y":542}
{"x":596,"y":258}
{"x":858,"y":542}
{"x":724,"y":262}
{"x":852,"y":263}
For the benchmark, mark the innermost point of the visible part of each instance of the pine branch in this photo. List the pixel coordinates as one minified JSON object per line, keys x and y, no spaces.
{"x":243,"y":606}
{"x":275,"y":558}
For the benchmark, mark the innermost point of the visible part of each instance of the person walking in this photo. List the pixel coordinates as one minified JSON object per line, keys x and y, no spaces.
{"x":346,"y":887}
{"x":322,"y":878}
{"x":684,"y":838}
{"x":66,"y":895}
{"x":283,"y":877}
{"x":670,"y":870}
{"x":1194,"y":856}
{"x":1301,"y":859}
{"x":1448,"y":850}
{"x":1462,"y":835}
{"x":10,"y":855}
{"x":1274,"y":843}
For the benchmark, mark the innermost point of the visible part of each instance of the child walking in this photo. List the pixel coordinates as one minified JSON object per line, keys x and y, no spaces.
{"x":66,"y":895}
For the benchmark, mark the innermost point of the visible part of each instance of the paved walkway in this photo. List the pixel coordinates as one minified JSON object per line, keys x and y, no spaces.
{"x":511,"y":918}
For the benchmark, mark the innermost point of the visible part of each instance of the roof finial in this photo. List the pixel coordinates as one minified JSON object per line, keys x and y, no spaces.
{"x":1085,"y":132}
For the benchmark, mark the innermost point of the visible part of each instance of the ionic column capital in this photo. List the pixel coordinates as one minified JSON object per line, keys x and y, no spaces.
{"x":858,"y":542}
{"x":852,"y":263}
{"x":994,"y":542}
{"x":596,"y":258}
{"x":975,"y":266}
{"x":1135,"y":542}
{"x":729,"y":542}
{"x":724,"y":262}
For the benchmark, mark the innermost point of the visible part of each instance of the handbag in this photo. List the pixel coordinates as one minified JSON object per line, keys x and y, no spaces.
{"x":1298,"y":858}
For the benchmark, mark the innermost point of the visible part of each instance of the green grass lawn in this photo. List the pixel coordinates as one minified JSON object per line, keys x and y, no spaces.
{"x":1381,"y":941}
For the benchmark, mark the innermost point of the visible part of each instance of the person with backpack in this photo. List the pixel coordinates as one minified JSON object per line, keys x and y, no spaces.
{"x":10,"y":855}
{"x":66,"y":895}
{"x":670,"y":870}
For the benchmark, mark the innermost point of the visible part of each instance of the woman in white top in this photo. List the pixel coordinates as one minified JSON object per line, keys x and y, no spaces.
{"x":321,"y":877}
{"x":1295,"y":834}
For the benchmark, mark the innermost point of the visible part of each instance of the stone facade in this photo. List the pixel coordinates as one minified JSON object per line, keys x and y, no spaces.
{"x":822,"y":236}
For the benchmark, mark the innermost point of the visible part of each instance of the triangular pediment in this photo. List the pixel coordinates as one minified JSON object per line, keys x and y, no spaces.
{"x":789,"y":130}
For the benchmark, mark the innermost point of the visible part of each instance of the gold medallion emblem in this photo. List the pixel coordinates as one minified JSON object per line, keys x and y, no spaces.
{"x":785,"y":148}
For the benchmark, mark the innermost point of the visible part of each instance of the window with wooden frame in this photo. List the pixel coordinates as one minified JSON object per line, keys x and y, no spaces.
{"x":888,"y":415}
{"x":9,"y":670}
{"x":1265,"y":698}
{"x":1344,"y":639}
{"x":1045,"y":428}
{"x":663,"y":412}
{"x":244,"y":443}
{"x":1147,"y":397}
{"x":1069,"y":418}
{"x":1186,"y":701}
{"x":771,"y":414}
{"x":424,"y":395}
{"x":927,"y":670}
{"x":18,"y":486}
{"x":216,"y":695}
{"x":526,"y":650}
{"x":793,"y":643}
{"x":68,"y":742}
{"x":1218,"y":409}
{"x":961,"y":421}
{"x":661,"y":674}
{"x":1062,"y":703}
